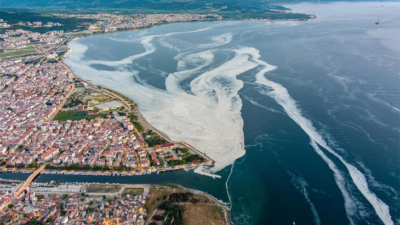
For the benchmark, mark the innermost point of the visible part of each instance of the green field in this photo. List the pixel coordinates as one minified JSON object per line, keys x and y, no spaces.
{"x":63,"y":116}
{"x":78,"y":115}
{"x":70,"y":115}
{"x":20,"y":52}
{"x":133,"y":191}
{"x":96,"y":115}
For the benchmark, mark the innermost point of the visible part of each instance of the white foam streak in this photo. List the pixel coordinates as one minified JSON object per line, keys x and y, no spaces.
{"x":179,"y":114}
{"x":201,"y":170}
{"x":301,"y":185}
{"x":281,"y":95}
{"x":214,"y":93}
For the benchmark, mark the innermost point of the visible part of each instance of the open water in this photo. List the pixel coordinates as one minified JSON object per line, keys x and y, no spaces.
{"x":302,"y":118}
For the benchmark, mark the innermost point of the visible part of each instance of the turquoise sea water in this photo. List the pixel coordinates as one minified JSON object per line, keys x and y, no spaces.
{"x":319,"y":101}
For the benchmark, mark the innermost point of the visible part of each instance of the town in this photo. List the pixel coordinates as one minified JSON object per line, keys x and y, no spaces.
{"x":95,"y":203}
{"x":56,"y":123}
{"x":51,"y":117}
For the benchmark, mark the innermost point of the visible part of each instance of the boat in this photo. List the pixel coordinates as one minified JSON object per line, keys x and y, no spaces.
{"x":377,"y":23}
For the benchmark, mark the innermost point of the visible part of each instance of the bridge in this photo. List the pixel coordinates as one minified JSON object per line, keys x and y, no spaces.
{"x":27,"y":183}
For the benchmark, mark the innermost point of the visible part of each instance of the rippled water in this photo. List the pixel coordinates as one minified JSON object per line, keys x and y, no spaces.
{"x":302,"y":117}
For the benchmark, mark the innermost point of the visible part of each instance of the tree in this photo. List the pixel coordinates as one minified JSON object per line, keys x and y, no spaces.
{"x":158,"y":217}
{"x":64,"y":196}
{"x":34,"y":222}
{"x":10,"y":206}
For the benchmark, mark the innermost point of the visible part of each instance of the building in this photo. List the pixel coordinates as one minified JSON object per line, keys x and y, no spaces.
{"x":50,"y":153}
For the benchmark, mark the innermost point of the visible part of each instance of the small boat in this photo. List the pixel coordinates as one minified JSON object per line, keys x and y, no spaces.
{"x":377,"y":23}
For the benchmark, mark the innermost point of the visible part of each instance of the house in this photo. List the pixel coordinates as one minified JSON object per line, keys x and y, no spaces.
{"x":157,"y":148}
{"x":168,"y":145}
{"x":153,"y":155}
{"x":50,"y":153}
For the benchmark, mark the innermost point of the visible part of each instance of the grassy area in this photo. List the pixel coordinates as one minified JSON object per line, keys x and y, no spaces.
{"x":103,"y":188}
{"x":63,"y":116}
{"x":40,"y":197}
{"x":19,"y":52}
{"x":78,"y":115}
{"x":96,"y":115}
{"x":203,"y":214}
{"x":71,"y":115}
{"x":157,"y":197}
{"x":133,"y":191}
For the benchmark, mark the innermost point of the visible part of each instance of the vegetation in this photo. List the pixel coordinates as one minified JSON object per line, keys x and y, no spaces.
{"x":178,"y":197}
{"x":93,"y":116}
{"x":172,"y":212}
{"x":155,"y":139}
{"x":234,"y":9}
{"x":135,"y":123}
{"x":33,"y":165}
{"x":12,"y":18}
{"x":71,"y":115}
{"x":187,"y":158}
{"x":104,"y":188}
{"x":138,"y":126}
{"x":63,"y":116}
{"x":19,"y":52}
{"x":65,"y":196}
{"x":39,"y":197}
{"x":158,"y":217}
{"x":34,"y":222}
{"x":133,"y":191}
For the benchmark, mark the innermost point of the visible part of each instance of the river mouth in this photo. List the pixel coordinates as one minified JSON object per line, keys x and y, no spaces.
{"x":303,"y":123}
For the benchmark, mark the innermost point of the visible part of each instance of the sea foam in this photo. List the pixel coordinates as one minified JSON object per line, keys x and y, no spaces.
{"x":175,"y":112}
{"x":282,"y":97}
{"x":208,"y":116}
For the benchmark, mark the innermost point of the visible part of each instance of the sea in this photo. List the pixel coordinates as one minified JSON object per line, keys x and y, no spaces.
{"x":301,"y":117}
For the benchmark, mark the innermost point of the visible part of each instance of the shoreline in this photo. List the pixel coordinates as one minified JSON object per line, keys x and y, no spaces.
{"x":137,"y":112}
{"x":140,"y":118}
{"x":224,"y":206}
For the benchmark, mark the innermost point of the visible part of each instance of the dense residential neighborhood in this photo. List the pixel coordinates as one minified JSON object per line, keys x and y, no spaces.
{"x":56,"y":203}
{"x":35,"y":93}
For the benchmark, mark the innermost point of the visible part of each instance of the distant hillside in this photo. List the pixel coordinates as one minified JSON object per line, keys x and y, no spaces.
{"x":232,"y":5}
{"x":236,"y":9}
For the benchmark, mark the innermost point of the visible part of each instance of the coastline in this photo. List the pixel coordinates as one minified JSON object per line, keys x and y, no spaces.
{"x":225,"y":209}
{"x":137,"y":112}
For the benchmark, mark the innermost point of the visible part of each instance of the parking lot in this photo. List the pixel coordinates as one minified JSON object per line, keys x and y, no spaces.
{"x":64,"y":188}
